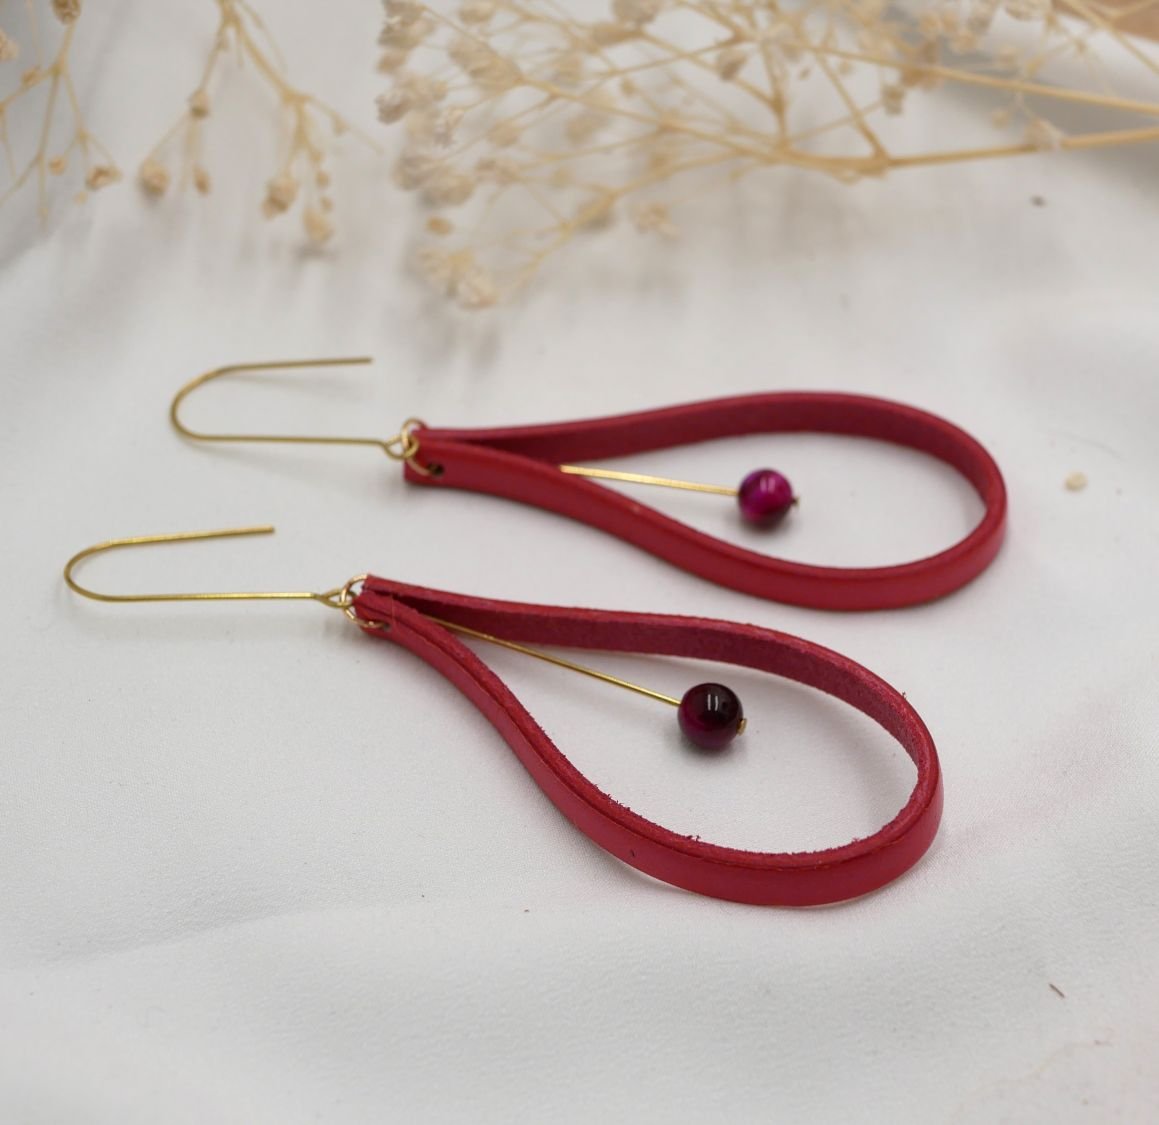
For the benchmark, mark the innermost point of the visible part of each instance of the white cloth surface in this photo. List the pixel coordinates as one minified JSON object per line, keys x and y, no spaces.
{"x":257,"y":869}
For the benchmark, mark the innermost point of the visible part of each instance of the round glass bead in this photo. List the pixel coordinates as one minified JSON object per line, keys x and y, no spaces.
{"x":765,"y":497}
{"x":710,"y":715}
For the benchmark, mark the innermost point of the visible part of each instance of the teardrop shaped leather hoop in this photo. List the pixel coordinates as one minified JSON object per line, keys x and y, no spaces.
{"x":522,"y":463}
{"x":402,"y":614}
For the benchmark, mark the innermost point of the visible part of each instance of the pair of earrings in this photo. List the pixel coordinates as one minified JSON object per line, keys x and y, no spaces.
{"x":543,"y":466}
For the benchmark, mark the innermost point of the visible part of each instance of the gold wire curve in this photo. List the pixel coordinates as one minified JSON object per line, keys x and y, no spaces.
{"x":341,"y":597}
{"x":403,"y":446}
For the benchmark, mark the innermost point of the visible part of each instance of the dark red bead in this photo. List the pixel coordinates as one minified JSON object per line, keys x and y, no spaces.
{"x":765,"y":497}
{"x":710,"y":715}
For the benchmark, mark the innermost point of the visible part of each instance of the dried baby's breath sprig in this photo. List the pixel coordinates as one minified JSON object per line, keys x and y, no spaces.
{"x":52,"y":82}
{"x":308,"y":127}
{"x":527,"y":122}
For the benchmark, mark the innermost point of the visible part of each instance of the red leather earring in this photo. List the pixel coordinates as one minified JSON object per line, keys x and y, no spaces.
{"x":432,"y":623}
{"x":537,"y":465}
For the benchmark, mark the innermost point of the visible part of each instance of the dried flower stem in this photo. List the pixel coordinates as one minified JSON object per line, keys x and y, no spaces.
{"x":308,"y":122}
{"x":98,"y":165}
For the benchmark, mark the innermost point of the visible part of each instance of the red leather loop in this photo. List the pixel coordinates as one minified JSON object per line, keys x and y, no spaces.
{"x":396,"y":612}
{"x":520,"y":463}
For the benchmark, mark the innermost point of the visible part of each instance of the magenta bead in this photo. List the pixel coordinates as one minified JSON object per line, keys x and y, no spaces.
{"x":710,"y":715}
{"x":765,"y":496}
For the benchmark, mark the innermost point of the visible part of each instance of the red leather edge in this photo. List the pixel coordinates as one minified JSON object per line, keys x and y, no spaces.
{"x":397,"y":612}
{"x":519,"y":463}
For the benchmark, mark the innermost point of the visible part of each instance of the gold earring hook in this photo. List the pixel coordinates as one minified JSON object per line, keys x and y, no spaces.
{"x":402,"y":447}
{"x":338,"y":598}
{"x":341,"y":598}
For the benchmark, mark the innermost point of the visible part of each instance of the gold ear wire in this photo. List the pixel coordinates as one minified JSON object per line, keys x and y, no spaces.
{"x":338,"y":598}
{"x":402,"y":447}
{"x":341,"y":598}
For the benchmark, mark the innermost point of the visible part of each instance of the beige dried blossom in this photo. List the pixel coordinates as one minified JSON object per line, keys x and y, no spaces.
{"x":730,"y":62}
{"x":319,"y":228}
{"x":394,"y":105}
{"x":426,"y":90}
{"x":434,"y":128}
{"x":654,"y":218}
{"x":281,"y":192}
{"x":498,"y":170}
{"x":67,"y":11}
{"x":447,"y":125}
{"x":604,"y":33}
{"x":101,"y":176}
{"x":404,"y":11}
{"x":475,"y":288}
{"x":447,"y":187}
{"x":893,"y":98}
{"x":413,"y":169}
{"x":199,"y":104}
{"x":153,"y":177}
{"x":9,"y":48}
{"x":636,"y":12}
{"x":490,"y":71}
{"x":505,"y":134}
{"x":459,"y":276}
{"x":392,"y":59}
{"x":202,"y":181}
{"x":477,"y":11}
{"x":401,"y":35}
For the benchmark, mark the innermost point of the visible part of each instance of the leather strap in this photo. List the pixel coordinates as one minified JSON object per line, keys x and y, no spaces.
{"x":520,"y":463}
{"x":395,"y":612}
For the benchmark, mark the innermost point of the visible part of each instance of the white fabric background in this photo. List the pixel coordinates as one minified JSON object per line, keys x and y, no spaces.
{"x":256,"y":869}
